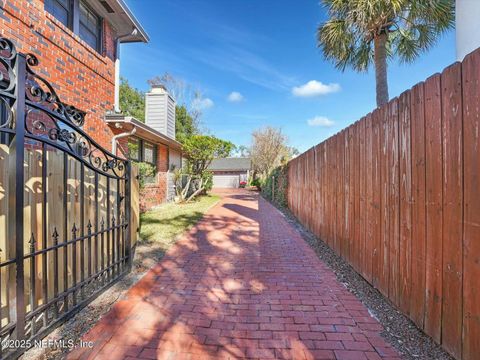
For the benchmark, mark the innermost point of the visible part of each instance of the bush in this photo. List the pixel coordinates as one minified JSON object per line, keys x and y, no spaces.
{"x":207,"y":180}
{"x":146,"y":173}
{"x":274,"y":187}
{"x":255,"y":182}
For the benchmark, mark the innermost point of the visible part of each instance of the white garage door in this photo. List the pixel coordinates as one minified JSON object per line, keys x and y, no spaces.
{"x":226,"y":181}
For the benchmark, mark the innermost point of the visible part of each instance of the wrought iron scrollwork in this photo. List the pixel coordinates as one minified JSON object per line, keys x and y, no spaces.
{"x":8,"y":54}
{"x":49,"y":118}
{"x":8,"y":122}
{"x":45,"y":133}
{"x":62,"y":135}
{"x":43,"y":93}
{"x":43,"y":125}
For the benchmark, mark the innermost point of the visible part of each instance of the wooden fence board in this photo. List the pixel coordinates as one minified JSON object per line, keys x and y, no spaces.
{"x":452,"y":209}
{"x":417,"y":305}
{"x":369,"y":248}
{"x":384,"y":266}
{"x":376,"y":197}
{"x":321,"y":183}
{"x":399,"y":199}
{"x":471,"y":220}
{"x":405,"y":206}
{"x":433,"y":141}
{"x":362,"y":196}
{"x":357,"y":243}
{"x":393,"y":202}
{"x":330,"y":187}
{"x":347,"y":236}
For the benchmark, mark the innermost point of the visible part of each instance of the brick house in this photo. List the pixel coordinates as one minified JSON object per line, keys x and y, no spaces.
{"x":151,"y":142}
{"x":78,"y":45}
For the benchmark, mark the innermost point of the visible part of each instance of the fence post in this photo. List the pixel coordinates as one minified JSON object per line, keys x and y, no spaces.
{"x":16,"y":200}
{"x":273,"y":188}
{"x":128,"y":208}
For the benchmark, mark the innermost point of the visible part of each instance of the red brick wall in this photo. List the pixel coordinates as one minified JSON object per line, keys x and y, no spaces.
{"x":81,"y":76}
{"x":155,"y":194}
{"x":151,"y":194}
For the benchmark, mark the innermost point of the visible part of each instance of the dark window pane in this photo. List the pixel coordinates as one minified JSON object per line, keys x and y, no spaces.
{"x":149,"y":153}
{"x":89,"y":26}
{"x":61,"y":9}
{"x":89,"y":37}
{"x":134,"y":149}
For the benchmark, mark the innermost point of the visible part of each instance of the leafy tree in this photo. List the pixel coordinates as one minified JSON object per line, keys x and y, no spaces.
{"x":362,"y":32}
{"x":200,"y":150}
{"x":242,"y":151}
{"x":187,"y":115}
{"x":269,"y":149}
{"x":132,"y":101}
{"x":185,"y":125}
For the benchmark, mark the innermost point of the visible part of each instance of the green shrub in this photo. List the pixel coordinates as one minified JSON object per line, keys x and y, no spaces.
{"x":274,"y":187}
{"x":146,"y":173}
{"x":255,"y":182}
{"x":207,"y":180}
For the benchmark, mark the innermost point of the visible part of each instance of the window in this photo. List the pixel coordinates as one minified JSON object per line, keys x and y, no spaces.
{"x":134,"y":148}
{"x":61,"y":9}
{"x":141,"y":150}
{"x":144,"y":152}
{"x":148,"y":152}
{"x":89,"y":26}
{"x":78,"y":17}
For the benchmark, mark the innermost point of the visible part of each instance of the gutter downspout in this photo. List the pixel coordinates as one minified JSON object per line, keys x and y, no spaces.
{"x":117,"y":69}
{"x":119,"y":136}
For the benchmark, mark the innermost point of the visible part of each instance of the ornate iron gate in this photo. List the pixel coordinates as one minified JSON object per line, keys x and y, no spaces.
{"x":77,"y":242}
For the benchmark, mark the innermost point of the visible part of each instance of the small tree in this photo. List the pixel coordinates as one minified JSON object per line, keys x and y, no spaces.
{"x":269,"y":149}
{"x":200,"y":150}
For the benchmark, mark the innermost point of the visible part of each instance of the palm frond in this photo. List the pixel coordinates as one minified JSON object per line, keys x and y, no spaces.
{"x":413,"y":26}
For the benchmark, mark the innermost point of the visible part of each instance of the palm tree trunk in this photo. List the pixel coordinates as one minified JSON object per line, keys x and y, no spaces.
{"x":380,"y":55}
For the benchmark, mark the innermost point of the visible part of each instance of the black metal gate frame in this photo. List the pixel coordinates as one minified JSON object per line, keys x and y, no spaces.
{"x":35,"y":115}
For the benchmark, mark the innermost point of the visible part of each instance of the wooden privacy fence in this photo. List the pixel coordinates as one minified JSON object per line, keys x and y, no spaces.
{"x":397,"y":194}
{"x":68,"y":208}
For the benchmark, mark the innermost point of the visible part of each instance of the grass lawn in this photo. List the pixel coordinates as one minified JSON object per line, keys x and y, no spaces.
{"x":167,"y":222}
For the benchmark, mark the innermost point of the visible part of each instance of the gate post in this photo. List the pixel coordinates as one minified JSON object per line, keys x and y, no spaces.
{"x":128,"y":217}
{"x":16,"y":197}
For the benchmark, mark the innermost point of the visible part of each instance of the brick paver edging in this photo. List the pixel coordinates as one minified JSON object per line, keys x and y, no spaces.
{"x":241,"y":284}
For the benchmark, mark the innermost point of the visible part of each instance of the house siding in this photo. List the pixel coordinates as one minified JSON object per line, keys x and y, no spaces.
{"x":81,"y":76}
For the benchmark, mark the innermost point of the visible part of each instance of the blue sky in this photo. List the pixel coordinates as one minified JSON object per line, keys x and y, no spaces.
{"x":264,"y":52}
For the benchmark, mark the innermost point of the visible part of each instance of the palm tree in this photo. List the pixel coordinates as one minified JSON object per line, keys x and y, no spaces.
{"x":360,"y":32}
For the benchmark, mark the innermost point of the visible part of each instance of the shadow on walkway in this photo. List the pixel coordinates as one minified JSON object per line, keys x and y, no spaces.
{"x":241,"y":284}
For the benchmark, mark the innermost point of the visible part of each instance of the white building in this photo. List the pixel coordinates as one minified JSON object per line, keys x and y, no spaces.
{"x":467,"y":27}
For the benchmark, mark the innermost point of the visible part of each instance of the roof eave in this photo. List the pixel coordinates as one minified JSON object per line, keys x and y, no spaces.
{"x":143,"y":36}
{"x":135,"y":123}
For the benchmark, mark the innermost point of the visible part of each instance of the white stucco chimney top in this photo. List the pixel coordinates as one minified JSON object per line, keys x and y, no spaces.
{"x":160,"y":110}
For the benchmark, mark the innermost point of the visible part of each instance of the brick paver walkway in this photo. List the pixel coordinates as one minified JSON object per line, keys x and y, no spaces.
{"x":240,"y":284}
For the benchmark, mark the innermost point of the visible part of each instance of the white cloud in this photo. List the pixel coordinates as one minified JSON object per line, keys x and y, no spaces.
{"x":235,"y":96}
{"x":320,"y":121}
{"x":202,"y":103}
{"x":315,"y":88}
